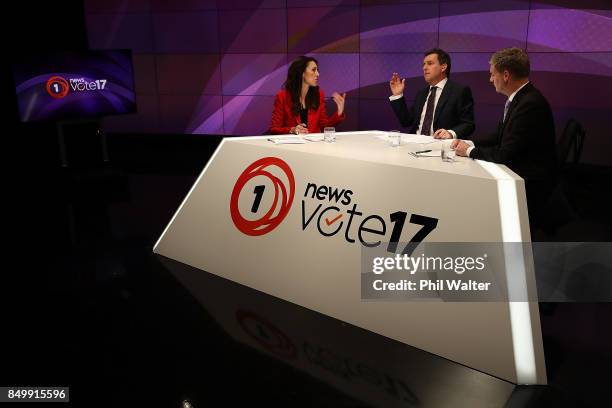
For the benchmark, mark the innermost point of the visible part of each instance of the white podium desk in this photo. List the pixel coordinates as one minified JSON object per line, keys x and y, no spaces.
{"x":291,"y":220}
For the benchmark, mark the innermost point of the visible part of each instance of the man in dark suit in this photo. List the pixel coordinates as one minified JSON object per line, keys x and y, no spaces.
{"x":525,"y":137}
{"x":444,"y":109}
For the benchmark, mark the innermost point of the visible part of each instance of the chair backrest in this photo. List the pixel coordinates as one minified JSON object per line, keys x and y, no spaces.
{"x":570,"y":143}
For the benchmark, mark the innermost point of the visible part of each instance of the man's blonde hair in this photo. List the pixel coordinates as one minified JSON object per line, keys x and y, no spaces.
{"x":514,"y":60}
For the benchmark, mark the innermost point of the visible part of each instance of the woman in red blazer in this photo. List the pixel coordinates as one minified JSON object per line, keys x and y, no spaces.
{"x":300,"y":107}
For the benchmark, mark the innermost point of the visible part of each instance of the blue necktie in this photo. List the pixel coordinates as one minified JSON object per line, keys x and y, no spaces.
{"x":508,"y":102}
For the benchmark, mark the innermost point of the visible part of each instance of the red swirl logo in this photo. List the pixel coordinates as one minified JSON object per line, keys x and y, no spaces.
{"x":283,"y":196}
{"x":57,"y":87}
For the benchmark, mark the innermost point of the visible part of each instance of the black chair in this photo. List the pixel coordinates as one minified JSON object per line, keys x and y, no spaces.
{"x":560,"y":208}
{"x":571,"y":142}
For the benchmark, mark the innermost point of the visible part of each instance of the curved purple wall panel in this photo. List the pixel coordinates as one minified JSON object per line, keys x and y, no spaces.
{"x":399,"y":28}
{"x":182,"y":32}
{"x":483,"y":26}
{"x":213,"y":67}
{"x":253,"y":74}
{"x":323,"y":29}
{"x":555,"y":29}
{"x":244,"y":31}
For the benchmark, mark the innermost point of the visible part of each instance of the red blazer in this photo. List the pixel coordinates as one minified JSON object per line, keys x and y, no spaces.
{"x":283,"y":118}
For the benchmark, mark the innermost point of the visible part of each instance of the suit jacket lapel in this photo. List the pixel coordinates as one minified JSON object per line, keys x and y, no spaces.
{"x":420,"y":103}
{"x":514,"y":102}
{"x":441,"y":101}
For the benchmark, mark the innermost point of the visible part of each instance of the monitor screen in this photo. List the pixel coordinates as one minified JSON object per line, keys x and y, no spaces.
{"x":74,"y":85}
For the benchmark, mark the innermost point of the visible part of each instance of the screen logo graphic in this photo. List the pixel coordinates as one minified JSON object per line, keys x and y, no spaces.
{"x":57,"y":87}
{"x":269,"y":168}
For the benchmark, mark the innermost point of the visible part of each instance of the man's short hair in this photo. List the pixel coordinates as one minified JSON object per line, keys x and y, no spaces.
{"x":443,"y":58}
{"x":514,"y":60}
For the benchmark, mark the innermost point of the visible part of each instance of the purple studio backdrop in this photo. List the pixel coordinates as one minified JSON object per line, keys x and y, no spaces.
{"x":213,"y":67}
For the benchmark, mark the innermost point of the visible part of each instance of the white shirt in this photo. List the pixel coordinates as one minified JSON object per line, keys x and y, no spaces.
{"x":440,"y":85}
{"x":510,"y":98}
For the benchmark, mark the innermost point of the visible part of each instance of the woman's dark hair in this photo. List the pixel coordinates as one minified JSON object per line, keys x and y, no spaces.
{"x":293,"y":84}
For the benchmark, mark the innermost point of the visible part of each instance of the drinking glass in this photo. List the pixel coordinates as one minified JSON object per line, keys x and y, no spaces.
{"x":329,"y":134}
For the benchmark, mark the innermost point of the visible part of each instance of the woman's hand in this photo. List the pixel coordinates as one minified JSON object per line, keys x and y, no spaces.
{"x":339,"y":99}
{"x":299,"y":129}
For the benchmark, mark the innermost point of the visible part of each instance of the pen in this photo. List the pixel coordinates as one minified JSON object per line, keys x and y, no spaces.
{"x":423,"y":151}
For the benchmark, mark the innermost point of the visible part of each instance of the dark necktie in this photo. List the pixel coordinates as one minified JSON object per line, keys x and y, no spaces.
{"x":426,"y":128}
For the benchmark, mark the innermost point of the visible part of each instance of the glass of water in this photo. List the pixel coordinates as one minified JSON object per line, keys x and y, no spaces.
{"x":395,"y":138}
{"x":447,"y":152}
{"x":329,"y":134}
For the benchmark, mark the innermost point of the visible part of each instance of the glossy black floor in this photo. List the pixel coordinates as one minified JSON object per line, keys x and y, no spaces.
{"x":88,"y":305}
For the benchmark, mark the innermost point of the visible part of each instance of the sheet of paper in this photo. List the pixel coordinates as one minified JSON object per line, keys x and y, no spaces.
{"x":315,"y":137}
{"x":411,"y":138}
{"x":287,"y":140}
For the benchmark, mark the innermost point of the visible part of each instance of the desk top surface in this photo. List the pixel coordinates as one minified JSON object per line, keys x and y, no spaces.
{"x":368,"y":146}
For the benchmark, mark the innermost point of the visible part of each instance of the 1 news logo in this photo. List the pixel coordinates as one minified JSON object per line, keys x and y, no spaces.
{"x":57,"y":87}
{"x":259,"y":175}
{"x":255,"y":213}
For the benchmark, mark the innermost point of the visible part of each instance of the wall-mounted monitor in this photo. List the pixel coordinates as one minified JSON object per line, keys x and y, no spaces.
{"x":74,"y":85}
